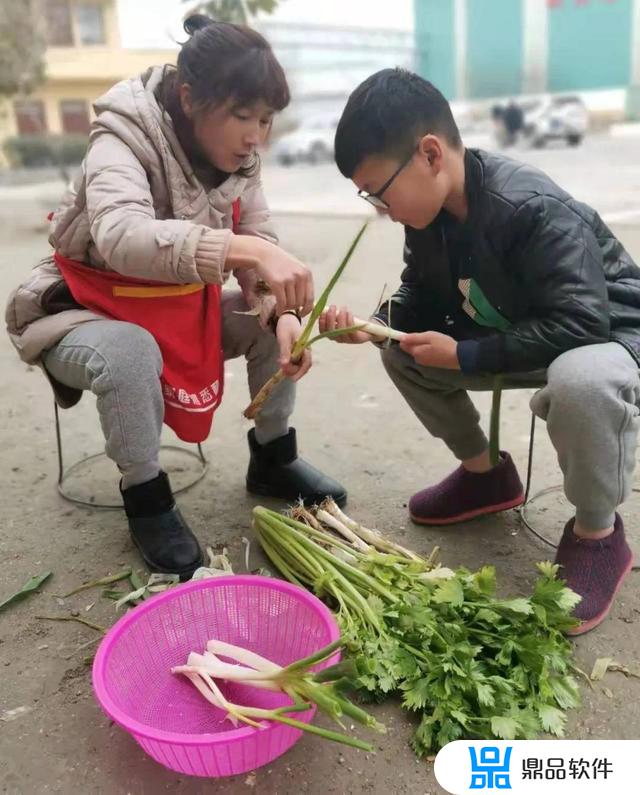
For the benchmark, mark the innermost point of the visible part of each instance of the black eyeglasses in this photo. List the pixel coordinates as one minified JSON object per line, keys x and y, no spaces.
{"x":376,"y":198}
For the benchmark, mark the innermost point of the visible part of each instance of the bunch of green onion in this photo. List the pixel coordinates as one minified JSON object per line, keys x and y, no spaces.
{"x":304,"y":687}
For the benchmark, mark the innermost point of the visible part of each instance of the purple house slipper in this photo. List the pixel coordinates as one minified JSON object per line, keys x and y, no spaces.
{"x":464,"y":495}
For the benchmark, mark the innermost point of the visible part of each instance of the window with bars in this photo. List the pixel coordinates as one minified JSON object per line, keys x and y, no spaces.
{"x":74,"y":116}
{"x":58,"y":23}
{"x":90,"y":23}
{"x":30,"y":118}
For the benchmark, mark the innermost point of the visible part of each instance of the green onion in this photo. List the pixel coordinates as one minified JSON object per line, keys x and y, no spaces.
{"x":297,"y":680}
{"x":306,"y":340}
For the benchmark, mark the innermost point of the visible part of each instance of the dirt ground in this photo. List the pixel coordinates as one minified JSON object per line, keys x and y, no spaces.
{"x":351,"y":422}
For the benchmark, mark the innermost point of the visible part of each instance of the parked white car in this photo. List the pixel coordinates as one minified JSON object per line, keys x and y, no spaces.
{"x":312,"y":143}
{"x":553,"y":118}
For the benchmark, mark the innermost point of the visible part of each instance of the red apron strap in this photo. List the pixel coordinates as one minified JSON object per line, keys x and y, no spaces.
{"x":235,"y":214}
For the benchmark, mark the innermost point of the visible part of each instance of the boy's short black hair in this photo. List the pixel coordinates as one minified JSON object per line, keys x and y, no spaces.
{"x":386,"y":114}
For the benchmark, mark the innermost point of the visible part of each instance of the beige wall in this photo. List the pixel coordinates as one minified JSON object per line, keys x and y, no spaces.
{"x":51,"y":95}
{"x":103,"y":63}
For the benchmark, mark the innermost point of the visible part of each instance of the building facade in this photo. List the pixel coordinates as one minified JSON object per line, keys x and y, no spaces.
{"x":475,"y":49}
{"x":84,"y":58}
{"x":324,"y":63}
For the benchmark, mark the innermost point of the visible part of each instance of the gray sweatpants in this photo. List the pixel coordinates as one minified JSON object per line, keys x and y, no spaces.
{"x":590,"y":399}
{"x":121,"y":364}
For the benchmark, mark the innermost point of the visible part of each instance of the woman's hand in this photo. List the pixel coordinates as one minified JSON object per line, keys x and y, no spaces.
{"x":288,"y":331}
{"x":290,"y":281}
{"x":253,"y":292}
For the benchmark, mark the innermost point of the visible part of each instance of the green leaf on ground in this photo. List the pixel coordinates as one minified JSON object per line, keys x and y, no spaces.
{"x":31,"y":585}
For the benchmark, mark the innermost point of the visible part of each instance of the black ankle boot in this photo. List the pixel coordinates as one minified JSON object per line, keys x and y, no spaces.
{"x":158,"y":529}
{"x":276,"y":471}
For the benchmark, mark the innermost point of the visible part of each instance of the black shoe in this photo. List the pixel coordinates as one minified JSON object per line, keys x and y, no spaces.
{"x":159,"y":530}
{"x":276,"y":471}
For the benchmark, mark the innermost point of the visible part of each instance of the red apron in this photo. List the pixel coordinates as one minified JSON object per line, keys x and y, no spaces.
{"x":186,"y":322}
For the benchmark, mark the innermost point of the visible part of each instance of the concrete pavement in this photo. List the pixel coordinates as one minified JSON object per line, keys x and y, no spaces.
{"x":352,"y":423}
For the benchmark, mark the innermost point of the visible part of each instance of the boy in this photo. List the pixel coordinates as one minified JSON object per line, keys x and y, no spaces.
{"x":504,"y":273}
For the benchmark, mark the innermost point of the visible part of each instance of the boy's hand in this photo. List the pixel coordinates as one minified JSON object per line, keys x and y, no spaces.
{"x":288,"y":330}
{"x":332,"y":319}
{"x":431,"y":349}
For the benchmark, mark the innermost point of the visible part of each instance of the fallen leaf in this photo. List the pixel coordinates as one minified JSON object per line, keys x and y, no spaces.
{"x":31,"y":585}
{"x":604,"y":664}
{"x":11,"y":714}
{"x":623,"y":670}
{"x":600,"y":668}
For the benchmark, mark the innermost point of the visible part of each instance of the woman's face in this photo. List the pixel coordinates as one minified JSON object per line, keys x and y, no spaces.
{"x":228,"y":135}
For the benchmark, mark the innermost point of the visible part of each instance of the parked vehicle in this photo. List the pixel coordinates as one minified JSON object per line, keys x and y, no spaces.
{"x":553,"y":118}
{"x":311,"y":143}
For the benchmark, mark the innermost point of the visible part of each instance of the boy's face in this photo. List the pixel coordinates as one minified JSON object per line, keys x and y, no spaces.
{"x":418,"y":191}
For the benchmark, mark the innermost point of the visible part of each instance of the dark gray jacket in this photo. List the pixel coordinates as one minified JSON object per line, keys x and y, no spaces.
{"x":530,"y":274}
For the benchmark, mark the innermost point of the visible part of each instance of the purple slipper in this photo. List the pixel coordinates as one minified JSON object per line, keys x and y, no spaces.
{"x":595,"y":570}
{"x":464,"y":495}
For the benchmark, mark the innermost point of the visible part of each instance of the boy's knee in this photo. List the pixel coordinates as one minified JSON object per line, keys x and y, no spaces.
{"x":575,"y":378}
{"x":394,"y":359}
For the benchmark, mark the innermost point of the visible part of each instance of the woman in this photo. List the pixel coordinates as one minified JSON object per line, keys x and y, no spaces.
{"x":169,"y":203}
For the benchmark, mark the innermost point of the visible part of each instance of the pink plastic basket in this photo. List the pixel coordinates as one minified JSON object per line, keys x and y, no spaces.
{"x":175,"y":725}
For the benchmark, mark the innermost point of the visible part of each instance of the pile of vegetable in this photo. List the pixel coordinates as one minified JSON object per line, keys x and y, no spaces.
{"x":298,"y":681}
{"x":469,"y":663}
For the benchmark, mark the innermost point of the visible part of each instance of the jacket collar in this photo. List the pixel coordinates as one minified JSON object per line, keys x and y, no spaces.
{"x":473,"y":181}
{"x":473,"y":184}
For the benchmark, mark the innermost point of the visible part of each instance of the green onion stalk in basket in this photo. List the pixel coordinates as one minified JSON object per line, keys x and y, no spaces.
{"x":470,"y":664}
{"x":305,"y":687}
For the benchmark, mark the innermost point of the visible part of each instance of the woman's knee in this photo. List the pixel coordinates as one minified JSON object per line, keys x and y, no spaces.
{"x":115,"y":354}
{"x":130,"y":353}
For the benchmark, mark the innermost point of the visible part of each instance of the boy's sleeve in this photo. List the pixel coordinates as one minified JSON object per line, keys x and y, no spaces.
{"x":558,"y":263}
{"x":406,"y":302}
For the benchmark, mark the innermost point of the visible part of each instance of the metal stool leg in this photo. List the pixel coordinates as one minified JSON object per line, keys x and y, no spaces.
{"x":528,"y":500}
{"x":532,"y":434}
{"x":64,"y":474}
